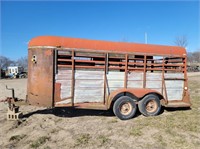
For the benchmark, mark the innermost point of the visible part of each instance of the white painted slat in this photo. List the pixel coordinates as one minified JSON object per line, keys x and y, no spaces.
{"x":89,"y":72}
{"x":174,"y":75}
{"x":112,"y":75}
{"x":174,"y":94}
{"x":64,"y":71}
{"x":116,"y":84}
{"x":64,"y":82}
{"x":65,"y":87}
{"x":153,"y":76}
{"x":90,"y":91}
{"x":88,"y":99}
{"x":65,"y":94}
{"x":132,"y":76}
{"x":135,"y":84}
{"x":63,"y":77}
{"x":176,"y":84}
{"x":80,"y":76}
{"x":89,"y":83}
{"x":153,"y":84}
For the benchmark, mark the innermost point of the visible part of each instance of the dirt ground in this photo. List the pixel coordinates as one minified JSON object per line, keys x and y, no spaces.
{"x":66,"y":128}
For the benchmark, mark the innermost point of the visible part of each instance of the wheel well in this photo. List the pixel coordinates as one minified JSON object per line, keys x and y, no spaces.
{"x":123,"y":94}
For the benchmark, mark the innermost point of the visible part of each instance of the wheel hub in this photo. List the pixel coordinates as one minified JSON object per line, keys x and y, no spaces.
{"x":151,"y":106}
{"x":126,"y":108}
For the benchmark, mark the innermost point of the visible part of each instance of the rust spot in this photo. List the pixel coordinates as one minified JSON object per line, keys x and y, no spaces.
{"x":57,"y":92}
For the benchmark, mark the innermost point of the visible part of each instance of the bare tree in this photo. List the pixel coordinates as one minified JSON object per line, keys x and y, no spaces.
{"x":5,"y":62}
{"x":23,"y":61}
{"x":194,"y":57}
{"x":181,"y":41}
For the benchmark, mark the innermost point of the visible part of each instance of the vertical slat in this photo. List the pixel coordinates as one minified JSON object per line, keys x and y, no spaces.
{"x":55,"y":61}
{"x":185,"y":77}
{"x":54,"y":74}
{"x":72,"y":86}
{"x":105,"y":72}
{"x":162,"y":75}
{"x":126,"y":71}
{"x":144,"y":77}
{"x":163,"y":80}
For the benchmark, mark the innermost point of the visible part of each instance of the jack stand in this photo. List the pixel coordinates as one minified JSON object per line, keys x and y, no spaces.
{"x":13,"y":111}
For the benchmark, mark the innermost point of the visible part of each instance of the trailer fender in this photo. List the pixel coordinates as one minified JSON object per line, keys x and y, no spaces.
{"x":134,"y":93}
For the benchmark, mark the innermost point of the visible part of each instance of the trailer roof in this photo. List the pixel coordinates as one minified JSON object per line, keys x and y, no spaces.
{"x":100,"y":45}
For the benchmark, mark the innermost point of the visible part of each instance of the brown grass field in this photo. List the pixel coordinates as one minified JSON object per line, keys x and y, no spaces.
{"x":66,"y":128}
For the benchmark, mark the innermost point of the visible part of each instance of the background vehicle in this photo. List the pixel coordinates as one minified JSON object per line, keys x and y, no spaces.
{"x":80,"y":73}
{"x":21,"y":75}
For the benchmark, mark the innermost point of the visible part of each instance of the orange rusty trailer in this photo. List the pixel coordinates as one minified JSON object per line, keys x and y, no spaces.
{"x":92,"y":74}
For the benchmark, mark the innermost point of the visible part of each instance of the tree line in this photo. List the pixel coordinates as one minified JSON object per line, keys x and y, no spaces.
{"x":5,"y":62}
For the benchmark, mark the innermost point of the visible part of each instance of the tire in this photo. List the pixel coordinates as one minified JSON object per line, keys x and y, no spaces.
{"x":124,"y":108}
{"x":150,"y":105}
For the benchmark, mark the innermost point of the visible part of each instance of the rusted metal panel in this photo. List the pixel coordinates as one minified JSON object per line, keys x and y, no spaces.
{"x":40,"y":77}
{"x":57,"y":92}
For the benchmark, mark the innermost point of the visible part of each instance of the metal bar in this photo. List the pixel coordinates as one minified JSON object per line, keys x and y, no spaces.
{"x":75,"y":66}
{"x":174,"y":79}
{"x":163,"y":63}
{"x":73,"y":81}
{"x":134,"y":63}
{"x":55,"y":61}
{"x":160,"y":69}
{"x":82,"y":55}
{"x":90,"y":61}
{"x":186,"y":80}
{"x":64,"y":60}
{"x":54,"y":76}
{"x":163,"y":80}
{"x":173,"y":65}
{"x":13,"y":91}
{"x":144,"y":75}
{"x":123,"y":63}
{"x":126,"y":71}
{"x":105,"y":77}
{"x":107,"y":63}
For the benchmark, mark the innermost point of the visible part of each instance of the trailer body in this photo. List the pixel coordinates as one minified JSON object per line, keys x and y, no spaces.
{"x":91,"y":74}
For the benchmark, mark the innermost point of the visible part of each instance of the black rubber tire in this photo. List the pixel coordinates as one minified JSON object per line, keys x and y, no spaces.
{"x":119,"y":102}
{"x":143,"y":103}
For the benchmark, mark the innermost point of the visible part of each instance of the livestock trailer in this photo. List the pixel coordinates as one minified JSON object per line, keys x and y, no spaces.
{"x":94,"y":74}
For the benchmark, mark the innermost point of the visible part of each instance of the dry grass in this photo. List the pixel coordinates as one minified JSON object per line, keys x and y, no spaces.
{"x":178,"y":128}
